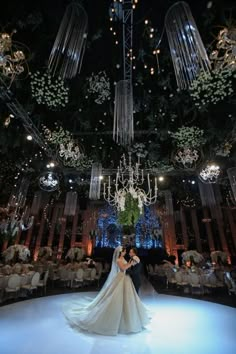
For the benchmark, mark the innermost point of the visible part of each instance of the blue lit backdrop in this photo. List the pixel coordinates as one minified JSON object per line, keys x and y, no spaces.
{"x":148,"y":231}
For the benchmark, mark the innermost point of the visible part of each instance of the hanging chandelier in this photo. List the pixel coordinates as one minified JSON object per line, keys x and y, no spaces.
{"x":129,"y":181}
{"x":210,"y":173}
{"x":49,"y":182}
{"x":12,"y":59}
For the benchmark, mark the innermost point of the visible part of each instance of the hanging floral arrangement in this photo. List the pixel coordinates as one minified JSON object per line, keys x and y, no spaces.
{"x":99,"y":87}
{"x":48,"y":90}
{"x":212,"y":87}
{"x":130,"y":214}
{"x":70,"y":151}
{"x":188,"y":137}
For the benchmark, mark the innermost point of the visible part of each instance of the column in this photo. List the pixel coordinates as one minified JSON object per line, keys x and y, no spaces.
{"x":208,"y":230}
{"x":74,"y":228}
{"x":196,"y":230}
{"x":17,"y":240}
{"x":184,"y":227}
{"x":220,"y":223}
{"x":62,"y":237}
{"x":232,"y":225}
{"x":53,"y":225}
{"x":39,"y":238}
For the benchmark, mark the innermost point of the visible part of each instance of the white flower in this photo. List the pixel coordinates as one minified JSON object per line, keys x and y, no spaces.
{"x":99,"y":86}
{"x":49,"y":91}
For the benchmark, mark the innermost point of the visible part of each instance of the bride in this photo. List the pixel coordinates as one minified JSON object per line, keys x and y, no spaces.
{"x":116,"y":309}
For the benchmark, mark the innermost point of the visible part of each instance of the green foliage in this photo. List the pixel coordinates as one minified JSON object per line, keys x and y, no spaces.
{"x":130,"y":215}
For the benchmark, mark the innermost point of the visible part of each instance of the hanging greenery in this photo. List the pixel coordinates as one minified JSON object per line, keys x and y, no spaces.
{"x":131,"y":214}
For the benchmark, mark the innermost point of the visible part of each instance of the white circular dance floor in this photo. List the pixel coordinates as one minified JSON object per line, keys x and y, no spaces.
{"x":178,"y":326}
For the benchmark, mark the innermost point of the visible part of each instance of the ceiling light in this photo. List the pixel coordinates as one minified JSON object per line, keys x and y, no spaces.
{"x":29,"y":137}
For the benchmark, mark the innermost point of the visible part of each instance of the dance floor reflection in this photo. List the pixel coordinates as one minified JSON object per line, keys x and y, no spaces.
{"x":178,"y":325}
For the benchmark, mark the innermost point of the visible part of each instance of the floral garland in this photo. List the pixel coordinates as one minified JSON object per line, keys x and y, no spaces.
{"x":212,"y":87}
{"x":69,"y":150}
{"x":49,"y":91}
{"x":99,"y":86}
{"x":188,"y":137}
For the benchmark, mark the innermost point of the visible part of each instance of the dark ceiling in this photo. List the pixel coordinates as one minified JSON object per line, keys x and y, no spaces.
{"x":160,"y":108}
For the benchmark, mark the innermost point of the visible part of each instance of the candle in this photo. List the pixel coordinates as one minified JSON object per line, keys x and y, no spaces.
{"x":149,"y":187}
{"x":155,"y":183}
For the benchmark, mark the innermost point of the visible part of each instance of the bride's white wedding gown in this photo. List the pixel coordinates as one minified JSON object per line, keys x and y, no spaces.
{"x":116,"y":309}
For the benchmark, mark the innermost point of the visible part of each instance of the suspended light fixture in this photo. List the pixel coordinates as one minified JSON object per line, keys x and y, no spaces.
{"x":49,"y":181}
{"x":95,"y":181}
{"x":71,"y":203}
{"x":68,"y":50}
{"x":129,"y":181}
{"x":123,"y":128}
{"x":210,"y":173}
{"x":187,"y":50}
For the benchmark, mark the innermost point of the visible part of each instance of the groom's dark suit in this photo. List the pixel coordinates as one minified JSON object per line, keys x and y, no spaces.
{"x":134,"y":273}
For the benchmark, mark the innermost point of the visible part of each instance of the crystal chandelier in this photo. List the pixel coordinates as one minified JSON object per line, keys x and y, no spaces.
{"x":70,"y":151}
{"x":210,"y":173}
{"x":11,"y":60}
{"x":129,"y":181}
{"x":49,"y":182}
{"x":187,"y":157}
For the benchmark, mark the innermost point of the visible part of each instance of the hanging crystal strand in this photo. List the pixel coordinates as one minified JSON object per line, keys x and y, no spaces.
{"x":71,"y":203}
{"x":95,"y":181}
{"x":232,"y":179}
{"x":18,"y":196}
{"x":68,"y":50}
{"x":36,"y":203}
{"x":187,"y":50}
{"x":208,"y":198}
{"x":123,"y":128}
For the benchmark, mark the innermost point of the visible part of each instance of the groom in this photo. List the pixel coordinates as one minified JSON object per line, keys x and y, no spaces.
{"x":134,"y":271}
